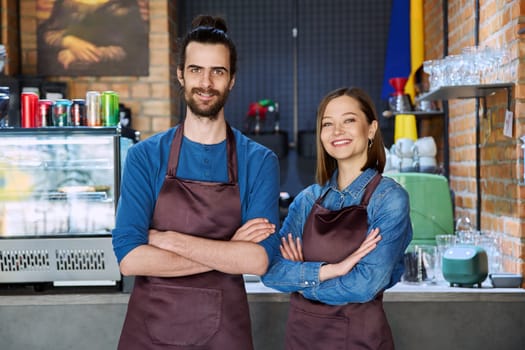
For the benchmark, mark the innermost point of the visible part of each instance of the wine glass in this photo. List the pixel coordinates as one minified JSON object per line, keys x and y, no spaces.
{"x":464,"y":230}
{"x":443,"y":242}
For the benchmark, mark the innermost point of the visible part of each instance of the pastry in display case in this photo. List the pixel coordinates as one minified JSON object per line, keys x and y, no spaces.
{"x":58,"y":193}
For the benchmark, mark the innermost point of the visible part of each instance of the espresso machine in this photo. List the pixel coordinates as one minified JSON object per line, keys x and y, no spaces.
{"x":9,"y":95}
{"x":4,"y":91}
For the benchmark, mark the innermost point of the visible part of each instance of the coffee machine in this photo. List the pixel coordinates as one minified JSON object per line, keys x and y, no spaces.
{"x":9,"y":95}
{"x":429,"y":217}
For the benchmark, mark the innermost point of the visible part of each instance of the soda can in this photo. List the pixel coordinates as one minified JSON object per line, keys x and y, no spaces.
{"x":109,"y":108}
{"x":92,"y":105}
{"x":62,"y":113}
{"x":28,"y":109}
{"x":78,"y":112}
{"x":45,"y":113}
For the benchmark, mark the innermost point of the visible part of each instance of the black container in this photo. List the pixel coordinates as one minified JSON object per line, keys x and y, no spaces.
{"x":306,"y":145}
{"x":276,"y":141}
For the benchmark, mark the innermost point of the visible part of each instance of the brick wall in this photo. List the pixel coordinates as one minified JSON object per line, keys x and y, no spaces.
{"x":503,"y":192}
{"x":9,"y":33}
{"x":152,"y":99}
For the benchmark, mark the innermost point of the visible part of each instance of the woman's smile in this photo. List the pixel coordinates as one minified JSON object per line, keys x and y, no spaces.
{"x":341,"y":142}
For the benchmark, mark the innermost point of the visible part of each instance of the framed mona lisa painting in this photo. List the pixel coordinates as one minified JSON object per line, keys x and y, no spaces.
{"x":93,"y":37}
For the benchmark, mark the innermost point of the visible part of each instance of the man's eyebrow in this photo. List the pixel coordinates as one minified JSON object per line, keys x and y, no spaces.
{"x":193,"y":66}
{"x":220,"y":68}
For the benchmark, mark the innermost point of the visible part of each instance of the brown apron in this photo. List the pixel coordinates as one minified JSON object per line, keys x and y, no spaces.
{"x":331,"y":236}
{"x":203,"y":311}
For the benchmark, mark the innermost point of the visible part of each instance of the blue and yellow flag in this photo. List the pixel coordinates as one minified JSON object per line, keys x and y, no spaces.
{"x":405,"y":47}
{"x":417,"y":45}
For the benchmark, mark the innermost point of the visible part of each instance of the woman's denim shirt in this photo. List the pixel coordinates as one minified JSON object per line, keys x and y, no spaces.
{"x":388,"y":209}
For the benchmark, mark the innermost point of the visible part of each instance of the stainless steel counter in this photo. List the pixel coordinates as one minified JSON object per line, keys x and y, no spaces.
{"x":434,"y":317}
{"x":257,"y":292}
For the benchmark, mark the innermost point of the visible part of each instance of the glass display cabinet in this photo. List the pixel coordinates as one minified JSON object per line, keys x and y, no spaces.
{"x":58,"y":193}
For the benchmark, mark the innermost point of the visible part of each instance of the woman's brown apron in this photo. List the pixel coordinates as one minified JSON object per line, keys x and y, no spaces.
{"x":203,"y":311}
{"x":331,"y":236}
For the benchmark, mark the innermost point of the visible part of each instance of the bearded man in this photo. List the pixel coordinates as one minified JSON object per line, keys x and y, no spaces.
{"x":195,"y":202}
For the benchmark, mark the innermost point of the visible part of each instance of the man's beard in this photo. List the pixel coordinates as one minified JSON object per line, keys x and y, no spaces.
{"x":210,"y":111}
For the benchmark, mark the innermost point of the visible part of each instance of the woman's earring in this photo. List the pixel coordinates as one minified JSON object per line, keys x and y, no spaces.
{"x":370,"y":143}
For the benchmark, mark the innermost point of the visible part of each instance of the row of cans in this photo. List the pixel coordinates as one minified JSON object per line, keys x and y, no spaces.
{"x":97,"y":109}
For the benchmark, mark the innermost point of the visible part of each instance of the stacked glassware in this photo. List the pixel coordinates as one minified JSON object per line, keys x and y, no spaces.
{"x":475,"y":65}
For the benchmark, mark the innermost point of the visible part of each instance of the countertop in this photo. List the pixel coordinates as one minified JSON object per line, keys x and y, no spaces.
{"x":257,"y":292}
{"x":439,"y":292}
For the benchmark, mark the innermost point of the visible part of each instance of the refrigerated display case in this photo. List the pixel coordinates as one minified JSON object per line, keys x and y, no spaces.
{"x":58,"y":193}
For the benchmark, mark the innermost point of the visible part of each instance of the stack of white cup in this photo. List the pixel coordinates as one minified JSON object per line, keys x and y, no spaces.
{"x":426,"y":147}
{"x":405,"y":151}
{"x":407,"y":155}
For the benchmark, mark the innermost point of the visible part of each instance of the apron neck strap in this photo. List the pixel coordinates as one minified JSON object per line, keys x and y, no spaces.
{"x":370,"y":188}
{"x":231,"y":149}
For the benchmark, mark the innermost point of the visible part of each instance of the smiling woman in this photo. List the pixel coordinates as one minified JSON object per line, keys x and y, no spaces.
{"x":343,"y":240}
{"x":93,"y":37}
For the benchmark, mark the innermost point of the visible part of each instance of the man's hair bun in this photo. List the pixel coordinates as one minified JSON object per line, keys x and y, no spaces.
{"x":209,"y":21}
